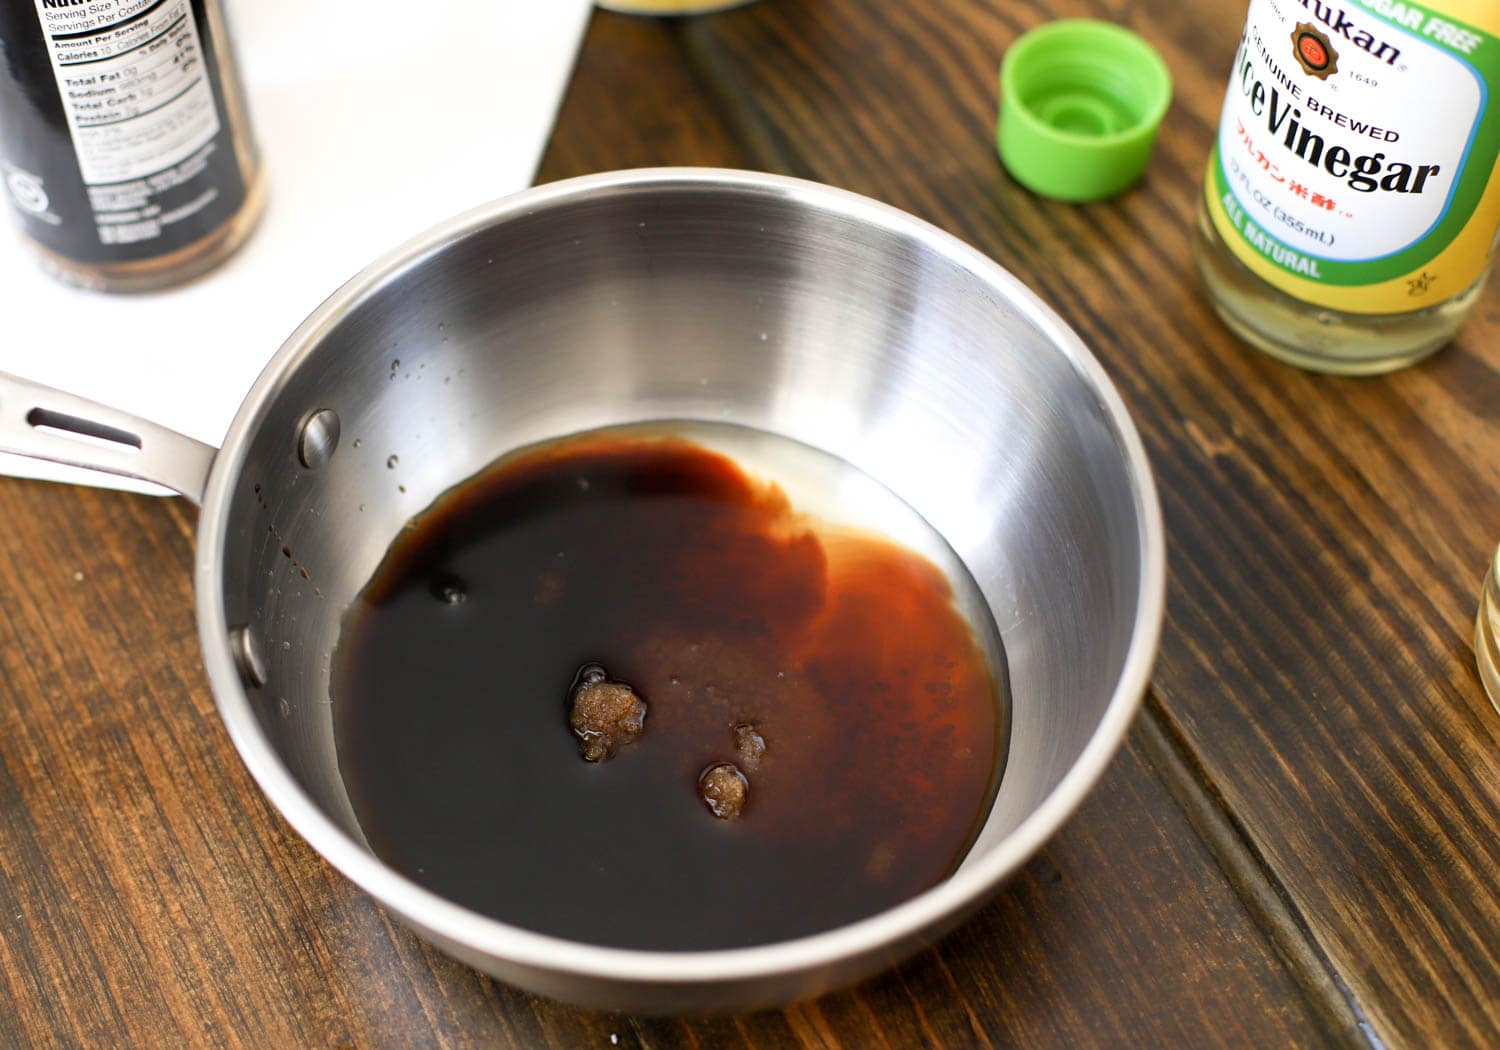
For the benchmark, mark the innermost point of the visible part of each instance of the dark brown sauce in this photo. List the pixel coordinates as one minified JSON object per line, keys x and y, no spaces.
{"x":722,"y":607}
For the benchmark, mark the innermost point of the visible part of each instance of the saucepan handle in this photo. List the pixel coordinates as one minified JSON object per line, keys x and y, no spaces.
{"x":42,"y":423}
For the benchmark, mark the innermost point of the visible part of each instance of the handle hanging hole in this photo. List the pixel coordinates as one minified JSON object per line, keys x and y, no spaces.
{"x":87,"y":430}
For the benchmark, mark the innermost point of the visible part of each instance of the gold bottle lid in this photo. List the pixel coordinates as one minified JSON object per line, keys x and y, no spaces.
{"x":670,"y":7}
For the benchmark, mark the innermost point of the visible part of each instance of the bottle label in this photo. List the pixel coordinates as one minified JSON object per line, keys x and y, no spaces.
{"x":117,"y":143}
{"x":1356,"y":151}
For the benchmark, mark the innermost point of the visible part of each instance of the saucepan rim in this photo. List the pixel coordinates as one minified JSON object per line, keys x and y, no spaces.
{"x":928,"y":911}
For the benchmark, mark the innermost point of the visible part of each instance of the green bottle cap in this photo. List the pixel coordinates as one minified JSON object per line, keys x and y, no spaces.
{"x":1080,"y":102}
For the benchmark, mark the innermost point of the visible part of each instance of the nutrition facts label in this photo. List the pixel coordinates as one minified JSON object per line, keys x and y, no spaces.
{"x":133,"y":84}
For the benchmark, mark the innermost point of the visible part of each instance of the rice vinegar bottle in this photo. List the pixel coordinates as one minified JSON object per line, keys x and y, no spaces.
{"x":1351,"y":203}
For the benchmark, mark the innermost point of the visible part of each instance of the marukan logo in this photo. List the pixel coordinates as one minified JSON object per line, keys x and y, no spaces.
{"x":1313,"y":52}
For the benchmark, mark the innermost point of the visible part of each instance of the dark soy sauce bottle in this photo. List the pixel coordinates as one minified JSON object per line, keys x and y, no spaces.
{"x":125,"y":150}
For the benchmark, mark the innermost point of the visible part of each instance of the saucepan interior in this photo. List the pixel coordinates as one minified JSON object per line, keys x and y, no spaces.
{"x":689,"y":295}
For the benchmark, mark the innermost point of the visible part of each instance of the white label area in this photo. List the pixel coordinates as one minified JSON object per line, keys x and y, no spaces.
{"x":1343,"y":135}
{"x":133,"y":83}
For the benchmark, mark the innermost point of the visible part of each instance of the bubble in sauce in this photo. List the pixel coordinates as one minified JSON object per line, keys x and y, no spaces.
{"x":450,"y":590}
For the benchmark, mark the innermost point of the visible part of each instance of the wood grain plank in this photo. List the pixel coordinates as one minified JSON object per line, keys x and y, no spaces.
{"x":264,"y":945}
{"x":159,"y":901}
{"x":952,"y":1006}
{"x":634,"y":100}
{"x":1327,"y":536}
{"x":150,"y":897}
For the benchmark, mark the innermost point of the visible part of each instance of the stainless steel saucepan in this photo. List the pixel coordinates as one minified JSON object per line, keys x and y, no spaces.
{"x":650,"y":295}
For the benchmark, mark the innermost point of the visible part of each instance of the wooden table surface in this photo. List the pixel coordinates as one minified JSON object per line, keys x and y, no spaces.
{"x":1300,"y":844}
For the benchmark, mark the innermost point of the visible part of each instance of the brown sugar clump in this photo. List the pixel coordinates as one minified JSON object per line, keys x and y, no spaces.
{"x":749,"y":745}
{"x":605,"y":715}
{"x":723,"y":789}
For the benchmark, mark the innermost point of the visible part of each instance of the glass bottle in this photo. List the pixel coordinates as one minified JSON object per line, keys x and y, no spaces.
{"x":125,"y":148}
{"x":1350,"y":208}
{"x":1487,"y":632}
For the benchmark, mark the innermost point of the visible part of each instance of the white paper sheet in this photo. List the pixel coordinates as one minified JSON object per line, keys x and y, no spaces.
{"x":376,"y":119}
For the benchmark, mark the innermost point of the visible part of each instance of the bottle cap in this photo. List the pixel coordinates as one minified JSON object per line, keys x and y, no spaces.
{"x":1080,"y":102}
